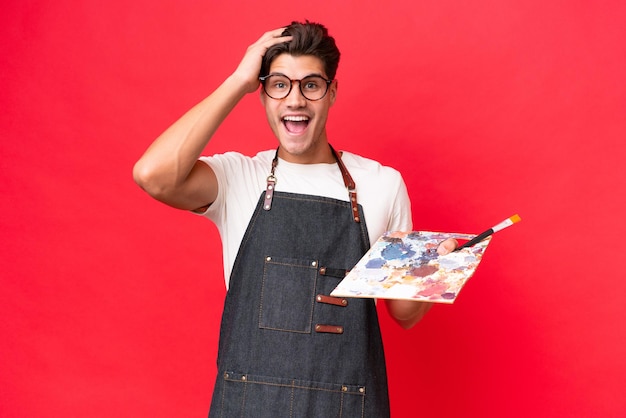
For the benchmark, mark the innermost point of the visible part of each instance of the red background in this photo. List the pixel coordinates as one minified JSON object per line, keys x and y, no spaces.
{"x":110,"y":301}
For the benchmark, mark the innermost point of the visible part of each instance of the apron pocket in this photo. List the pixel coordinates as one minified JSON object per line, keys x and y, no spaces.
{"x":263,"y":396}
{"x":288,"y":294}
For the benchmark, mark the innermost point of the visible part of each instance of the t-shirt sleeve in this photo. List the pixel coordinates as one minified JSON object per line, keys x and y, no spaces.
{"x":215,"y":209}
{"x":401,"y":219}
{"x":239,"y":183}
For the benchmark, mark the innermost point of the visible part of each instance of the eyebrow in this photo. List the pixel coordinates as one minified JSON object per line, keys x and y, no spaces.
{"x":306,"y":76}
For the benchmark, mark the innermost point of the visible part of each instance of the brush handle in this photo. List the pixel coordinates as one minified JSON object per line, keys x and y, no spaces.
{"x":476,"y":239}
{"x":507,"y":222}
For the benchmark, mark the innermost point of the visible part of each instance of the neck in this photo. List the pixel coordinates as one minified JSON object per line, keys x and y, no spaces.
{"x":322,"y":155}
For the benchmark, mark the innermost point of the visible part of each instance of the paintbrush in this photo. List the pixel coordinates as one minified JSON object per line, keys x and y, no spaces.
{"x":507,"y":222}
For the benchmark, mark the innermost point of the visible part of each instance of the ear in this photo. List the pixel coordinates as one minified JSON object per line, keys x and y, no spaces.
{"x":332,"y":91}
{"x":262,"y":96}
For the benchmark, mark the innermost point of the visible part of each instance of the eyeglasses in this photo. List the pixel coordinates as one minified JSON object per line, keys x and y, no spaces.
{"x":278,"y":86}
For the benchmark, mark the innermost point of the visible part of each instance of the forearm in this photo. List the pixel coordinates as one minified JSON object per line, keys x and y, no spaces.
{"x":407,"y":313}
{"x":169,"y":170}
{"x":168,"y":162}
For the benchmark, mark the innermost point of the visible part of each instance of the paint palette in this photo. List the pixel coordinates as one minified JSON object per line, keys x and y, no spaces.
{"x":406,"y":265}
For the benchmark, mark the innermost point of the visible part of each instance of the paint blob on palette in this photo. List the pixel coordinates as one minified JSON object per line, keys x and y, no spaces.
{"x":406,"y":265}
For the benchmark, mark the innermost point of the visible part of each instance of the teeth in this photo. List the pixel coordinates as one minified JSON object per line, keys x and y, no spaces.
{"x":296,"y":118}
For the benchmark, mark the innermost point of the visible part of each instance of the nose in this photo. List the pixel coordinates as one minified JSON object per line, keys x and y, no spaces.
{"x":295,"y":98}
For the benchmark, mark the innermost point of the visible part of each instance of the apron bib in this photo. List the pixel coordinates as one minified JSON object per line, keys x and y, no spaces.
{"x":287,"y":348}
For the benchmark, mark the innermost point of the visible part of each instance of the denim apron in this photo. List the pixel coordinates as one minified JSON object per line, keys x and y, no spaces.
{"x":287,"y":348}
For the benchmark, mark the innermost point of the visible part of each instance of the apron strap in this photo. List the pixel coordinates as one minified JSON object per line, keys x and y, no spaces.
{"x":347,"y":180}
{"x":271,"y":184}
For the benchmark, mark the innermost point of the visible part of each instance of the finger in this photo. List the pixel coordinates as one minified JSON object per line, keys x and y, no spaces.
{"x":447,"y":246}
{"x":269,"y":39}
{"x":276,"y":33}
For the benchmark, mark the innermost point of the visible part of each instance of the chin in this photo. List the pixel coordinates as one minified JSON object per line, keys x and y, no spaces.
{"x":298,"y":151}
{"x":296,"y":145}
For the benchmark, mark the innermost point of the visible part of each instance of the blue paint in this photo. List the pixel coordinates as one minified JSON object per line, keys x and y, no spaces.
{"x":395,"y":251}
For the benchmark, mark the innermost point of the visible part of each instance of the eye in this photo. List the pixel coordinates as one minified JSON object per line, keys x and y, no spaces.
{"x":311,"y":84}
{"x":277,"y":82}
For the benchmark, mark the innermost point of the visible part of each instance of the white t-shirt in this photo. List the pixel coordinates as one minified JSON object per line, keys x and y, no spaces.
{"x":241,"y":180}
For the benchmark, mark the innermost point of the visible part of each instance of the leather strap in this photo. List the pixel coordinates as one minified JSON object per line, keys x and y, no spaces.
{"x":271,"y":184}
{"x":331,"y":300}
{"x":347,"y":180}
{"x":338,"y":273}
{"x":332,"y":329}
{"x":350,"y":185}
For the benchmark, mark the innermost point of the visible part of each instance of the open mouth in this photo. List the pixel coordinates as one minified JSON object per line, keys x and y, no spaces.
{"x":295,"y":124}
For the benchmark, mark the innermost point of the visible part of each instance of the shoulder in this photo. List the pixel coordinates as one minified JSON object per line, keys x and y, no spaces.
{"x":369,"y":169}
{"x":237,"y":159}
{"x":377,"y":183}
{"x":240,"y":179}
{"x":383,"y":194}
{"x":357,"y":160}
{"x":237,"y":173}
{"x":235,"y":165}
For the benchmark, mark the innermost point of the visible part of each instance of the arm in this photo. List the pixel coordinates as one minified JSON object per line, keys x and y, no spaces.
{"x":408,"y":313}
{"x":169,"y":170}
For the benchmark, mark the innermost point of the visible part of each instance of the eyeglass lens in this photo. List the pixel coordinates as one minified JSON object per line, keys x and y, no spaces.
{"x":278,"y":86}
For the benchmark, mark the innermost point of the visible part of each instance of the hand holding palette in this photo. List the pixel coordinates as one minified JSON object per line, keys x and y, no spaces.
{"x":406,"y":265}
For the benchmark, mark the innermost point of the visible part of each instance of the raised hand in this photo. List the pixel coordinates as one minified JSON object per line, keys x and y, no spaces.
{"x":248,"y":70}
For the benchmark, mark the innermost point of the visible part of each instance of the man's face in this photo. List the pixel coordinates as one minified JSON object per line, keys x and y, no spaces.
{"x":300,"y":124}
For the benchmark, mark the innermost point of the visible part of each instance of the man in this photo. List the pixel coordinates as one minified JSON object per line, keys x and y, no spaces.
{"x":292,"y":222}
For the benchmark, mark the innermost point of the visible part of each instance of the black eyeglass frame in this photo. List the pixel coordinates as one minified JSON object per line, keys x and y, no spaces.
{"x":291,"y":81}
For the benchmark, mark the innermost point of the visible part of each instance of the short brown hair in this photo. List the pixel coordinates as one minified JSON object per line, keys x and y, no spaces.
{"x":308,"y":39}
